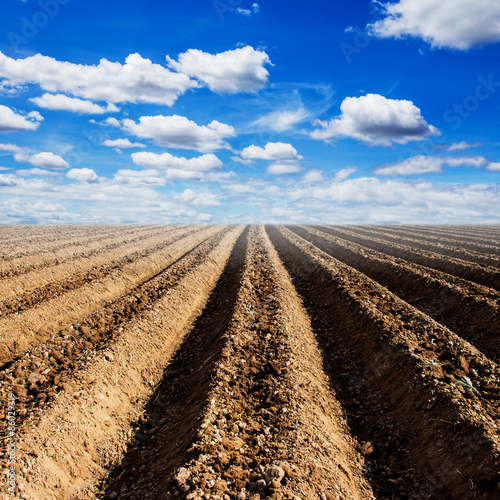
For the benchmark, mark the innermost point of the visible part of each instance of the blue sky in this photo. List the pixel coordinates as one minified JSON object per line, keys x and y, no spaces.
{"x":236,"y":111}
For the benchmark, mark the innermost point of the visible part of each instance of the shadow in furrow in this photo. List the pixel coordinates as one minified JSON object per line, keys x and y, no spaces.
{"x":474,"y":320}
{"x":172,"y":417}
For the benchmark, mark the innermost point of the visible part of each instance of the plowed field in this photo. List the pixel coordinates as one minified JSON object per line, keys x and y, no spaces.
{"x":228,"y":362}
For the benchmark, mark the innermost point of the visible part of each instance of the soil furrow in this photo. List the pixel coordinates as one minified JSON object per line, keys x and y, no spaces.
{"x":27,"y":247}
{"x":473,"y":234}
{"x":441,"y":248}
{"x":486,"y":276}
{"x":37,"y":263}
{"x":73,"y":346}
{"x":469,"y":310}
{"x":90,"y":420}
{"x":20,"y":332}
{"x":167,"y":429}
{"x":437,"y":394}
{"x":487,"y":247}
{"x":88,"y":271}
{"x":271,"y":427}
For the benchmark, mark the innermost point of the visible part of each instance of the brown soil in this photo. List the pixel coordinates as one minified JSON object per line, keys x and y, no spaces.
{"x":248,"y":363}
{"x":441,"y":247}
{"x":486,"y":245}
{"x":20,"y":331}
{"x":470,"y":310}
{"x":483,"y":275}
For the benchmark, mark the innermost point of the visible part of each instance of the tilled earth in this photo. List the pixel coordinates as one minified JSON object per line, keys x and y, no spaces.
{"x":226,"y":362}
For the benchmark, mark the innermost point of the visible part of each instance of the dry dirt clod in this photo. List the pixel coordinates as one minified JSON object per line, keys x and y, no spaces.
{"x":182,"y":476}
{"x":274,"y":473}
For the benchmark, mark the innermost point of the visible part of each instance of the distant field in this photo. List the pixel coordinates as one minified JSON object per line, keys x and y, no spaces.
{"x":231,"y":362}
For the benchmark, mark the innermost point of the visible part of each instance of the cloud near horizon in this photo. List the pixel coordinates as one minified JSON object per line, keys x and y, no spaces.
{"x":421,"y":164}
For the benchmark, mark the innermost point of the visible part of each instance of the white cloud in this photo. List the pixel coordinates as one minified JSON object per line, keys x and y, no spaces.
{"x":138,"y":80}
{"x":238,"y":70}
{"x":467,"y":161}
{"x":36,"y":171}
{"x":283,"y":120}
{"x":62,"y":102}
{"x":48,"y":160}
{"x":493,"y":167}
{"x":204,"y":217}
{"x":460,"y":146}
{"x":376,"y":120}
{"x":455,"y":24}
{"x":45,"y":212}
{"x":168,"y":161}
{"x":344,"y":173}
{"x":242,"y":161}
{"x":204,"y":198}
{"x":83,"y":175}
{"x":8,"y":180}
{"x":422,"y":164}
{"x":140,"y":177}
{"x":271,"y":151}
{"x":109,"y":121}
{"x":13,"y":148}
{"x":10,"y":121}
{"x":179,"y":132}
{"x":283,"y":168}
{"x":43,"y":160}
{"x":313,"y":176}
{"x":248,"y":12}
{"x":122,"y":143}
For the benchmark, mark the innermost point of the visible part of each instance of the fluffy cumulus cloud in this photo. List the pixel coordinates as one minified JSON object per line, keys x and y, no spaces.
{"x":40,"y":212}
{"x":62,"y":102}
{"x":8,"y":180}
{"x":422,"y":164}
{"x":205,"y":198}
{"x":312,"y":176}
{"x":202,"y":168}
{"x":83,"y":175}
{"x":149,"y":177}
{"x":44,"y":160}
{"x":493,"y":167}
{"x":139,"y":80}
{"x":376,"y":120}
{"x":122,"y":144}
{"x":271,"y":151}
{"x":168,"y":161}
{"x":455,"y":24}
{"x":179,"y":132}
{"x":48,"y":160}
{"x":371,"y":200}
{"x":284,"y":168}
{"x":10,"y":121}
{"x":238,"y":70}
